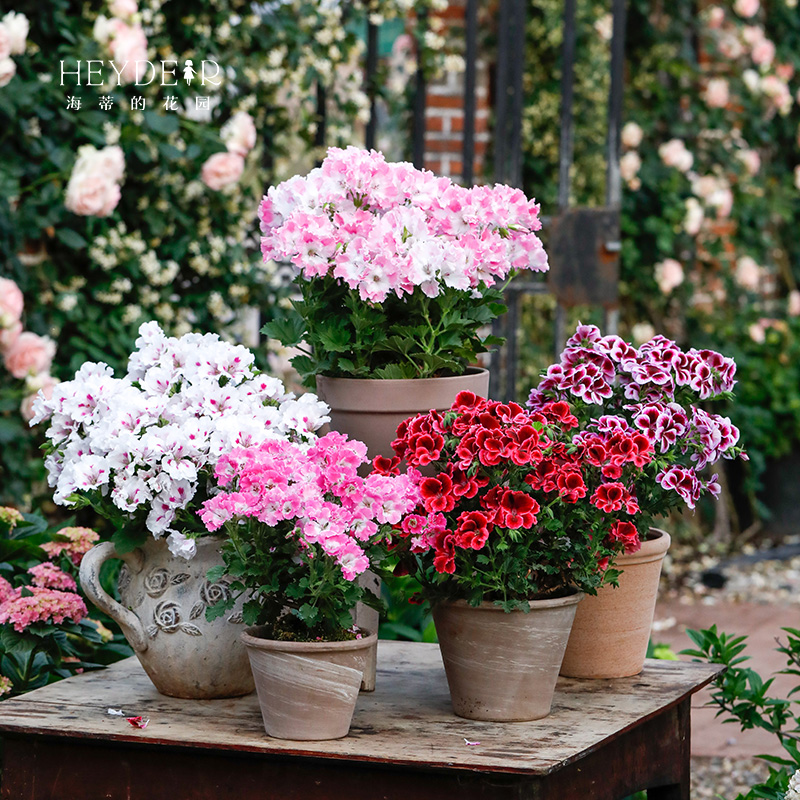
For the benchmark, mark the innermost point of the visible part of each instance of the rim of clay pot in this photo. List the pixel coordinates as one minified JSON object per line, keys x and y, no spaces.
{"x":251,"y":638}
{"x":549,"y":602}
{"x":651,"y":550}
{"x":471,"y":371}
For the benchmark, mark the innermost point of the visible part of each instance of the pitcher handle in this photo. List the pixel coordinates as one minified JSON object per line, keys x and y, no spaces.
{"x":90,"y":581}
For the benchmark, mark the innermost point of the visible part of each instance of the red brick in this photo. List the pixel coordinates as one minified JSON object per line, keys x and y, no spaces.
{"x":443,"y":146}
{"x":445,"y":101}
{"x":434,"y":124}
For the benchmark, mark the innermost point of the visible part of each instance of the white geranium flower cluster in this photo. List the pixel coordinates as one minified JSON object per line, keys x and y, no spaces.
{"x":145,"y":444}
{"x":793,"y":792}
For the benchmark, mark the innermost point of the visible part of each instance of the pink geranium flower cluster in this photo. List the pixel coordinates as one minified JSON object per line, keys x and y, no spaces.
{"x":653,"y":391}
{"x":387,"y":228}
{"x":313,"y":494}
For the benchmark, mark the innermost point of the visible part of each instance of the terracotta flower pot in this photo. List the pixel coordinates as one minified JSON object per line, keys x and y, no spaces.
{"x":612,"y":629}
{"x":163,"y":616}
{"x":307,"y":690}
{"x":370,"y":410}
{"x":503,"y":667}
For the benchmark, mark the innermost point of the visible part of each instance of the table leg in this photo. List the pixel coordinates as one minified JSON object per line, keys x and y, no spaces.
{"x":679,"y":791}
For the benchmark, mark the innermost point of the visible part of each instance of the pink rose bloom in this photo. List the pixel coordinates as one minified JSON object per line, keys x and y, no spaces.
{"x":43,"y":384}
{"x":763,"y":53}
{"x":674,"y":154}
{"x":123,"y":8}
{"x":239,"y":133}
{"x":784,"y":71}
{"x":757,"y":333}
{"x":797,"y":177}
{"x":751,"y":160}
{"x":221,"y":170}
{"x":793,"y":306}
{"x":716,"y":16}
{"x":128,"y":46}
{"x":29,"y":355}
{"x":92,"y":195}
{"x":669,"y":275}
{"x":717,"y":94}
{"x":746,"y":8}
{"x":11,"y":303}
{"x":8,"y":69}
{"x":631,"y":135}
{"x":748,"y":273}
{"x":629,"y":166}
{"x":9,"y":335}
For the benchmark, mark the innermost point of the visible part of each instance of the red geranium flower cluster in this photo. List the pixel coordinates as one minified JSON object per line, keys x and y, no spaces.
{"x":516,"y":503}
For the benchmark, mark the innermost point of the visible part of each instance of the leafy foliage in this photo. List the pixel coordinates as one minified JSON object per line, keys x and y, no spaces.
{"x":742,"y":696}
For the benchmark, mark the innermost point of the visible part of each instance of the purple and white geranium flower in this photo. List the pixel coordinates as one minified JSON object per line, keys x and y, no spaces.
{"x":653,"y":389}
{"x":143,"y":448}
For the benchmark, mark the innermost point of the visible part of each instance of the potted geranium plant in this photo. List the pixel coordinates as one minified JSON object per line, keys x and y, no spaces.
{"x":657,"y":391}
{"x":301,"y":527}
{"x":399,"y":272}
{"x":519,"y":518}
{"x":140,"y":450}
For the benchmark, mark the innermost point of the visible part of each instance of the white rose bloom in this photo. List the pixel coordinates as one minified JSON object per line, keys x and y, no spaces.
{"x":632,"y":135}
{"x":17,"y":26}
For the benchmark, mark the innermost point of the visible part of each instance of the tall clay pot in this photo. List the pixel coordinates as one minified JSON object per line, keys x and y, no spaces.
{"x":307,"y":690}
{"x":612,"y":629}
{"x":162,"y":614}
{"x":370,"y":410}
{"x":503,"y":667}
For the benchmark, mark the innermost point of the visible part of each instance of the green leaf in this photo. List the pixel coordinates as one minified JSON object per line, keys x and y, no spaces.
{"x":288,"y":331}
{"x":161,"y":123}
{"x":71,"y":238}
{"x":215,"y":574}
{"x":126,"y":539}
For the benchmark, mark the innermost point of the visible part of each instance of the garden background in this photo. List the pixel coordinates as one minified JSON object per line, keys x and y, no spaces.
{"x":121,"y":203}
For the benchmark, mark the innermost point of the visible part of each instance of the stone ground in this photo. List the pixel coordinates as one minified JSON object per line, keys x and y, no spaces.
{"x":758,"y":599}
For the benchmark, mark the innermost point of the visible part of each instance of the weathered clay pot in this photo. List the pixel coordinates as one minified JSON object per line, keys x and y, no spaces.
{"x":370,"y":410}
{"x":307,"y":690}
{"x":612,"y":629}
{"x":500,"y":666}
{"x":162,"y":614}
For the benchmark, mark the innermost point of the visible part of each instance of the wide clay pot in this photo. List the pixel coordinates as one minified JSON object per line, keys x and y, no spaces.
{"x":371,"y":409}
{"x":163,"y":616}
{"x":612,"y":629}
{"x":307,"y":690}
{"x":503,"y":667}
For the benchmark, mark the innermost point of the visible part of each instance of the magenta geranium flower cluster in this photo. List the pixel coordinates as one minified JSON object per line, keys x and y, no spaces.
{"x":301,"y":526}
{"x":652,"y":390}
{"x":386,"y":228}
{"x":313,"y":494}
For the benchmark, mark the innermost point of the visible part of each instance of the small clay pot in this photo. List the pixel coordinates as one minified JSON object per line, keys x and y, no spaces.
{"x":612,"y":629}
{"x":307,"y":690}
{"x":503,"y":667}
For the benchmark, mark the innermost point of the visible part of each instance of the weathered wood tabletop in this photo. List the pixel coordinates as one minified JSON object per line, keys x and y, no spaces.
{"x":406,"y":726}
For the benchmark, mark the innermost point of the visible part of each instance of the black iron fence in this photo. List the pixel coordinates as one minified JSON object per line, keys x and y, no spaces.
{"x":583,"y":244}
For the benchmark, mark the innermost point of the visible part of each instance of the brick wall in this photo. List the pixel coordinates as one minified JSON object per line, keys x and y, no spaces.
{"x":444,"y":115}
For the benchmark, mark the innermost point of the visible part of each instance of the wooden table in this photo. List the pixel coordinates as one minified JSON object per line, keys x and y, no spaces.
{"x":604,"y":740}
